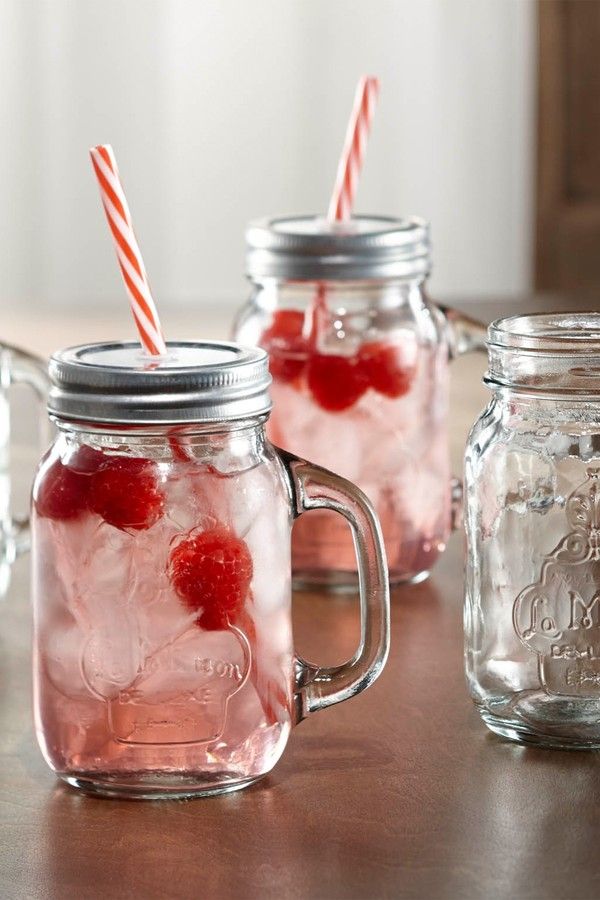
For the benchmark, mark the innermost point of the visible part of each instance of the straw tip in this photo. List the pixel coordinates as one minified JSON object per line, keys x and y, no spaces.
{"x":98,"y":148}
{"x":372,"y":79}
{"x":368,"y":84}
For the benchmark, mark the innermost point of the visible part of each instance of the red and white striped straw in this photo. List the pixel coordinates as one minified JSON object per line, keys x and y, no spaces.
{"x":353,"y":154}
{"x":128,"y":253}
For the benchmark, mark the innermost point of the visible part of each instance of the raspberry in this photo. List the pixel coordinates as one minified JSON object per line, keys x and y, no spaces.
{"x":125,"y":493}
{"x":61,"y":493}
{"x":64,"y":487}
{"x":385,"y":369}
{"x":286,"y":345}
{"x":212,"y":571}
{"x":336,"y":382}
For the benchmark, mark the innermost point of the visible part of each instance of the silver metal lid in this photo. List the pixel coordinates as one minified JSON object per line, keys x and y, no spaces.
{"x":309,"y":248}
{"x":116,"y":383}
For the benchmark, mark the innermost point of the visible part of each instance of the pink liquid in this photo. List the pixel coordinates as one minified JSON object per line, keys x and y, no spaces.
{"x":394,"y":448}
{"x":132,"y":695}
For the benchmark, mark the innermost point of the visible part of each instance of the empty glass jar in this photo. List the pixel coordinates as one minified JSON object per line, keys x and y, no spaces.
{"x":532,"y":612}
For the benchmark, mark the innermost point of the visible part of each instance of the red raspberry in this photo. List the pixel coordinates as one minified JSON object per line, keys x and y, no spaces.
{"x":61,"y":493}
{"x":124,"y":491}
{"x":63,"y":489}
{"x":212,"y":571}
{"x":385,"y":368}
{"x":336,"y":382}
{"x":286,"y":345}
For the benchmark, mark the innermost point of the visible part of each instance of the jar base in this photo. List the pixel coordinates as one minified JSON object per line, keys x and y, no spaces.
{"x":340,"y":582}
{"x":168,"y":786}
{"x":523,"y":733}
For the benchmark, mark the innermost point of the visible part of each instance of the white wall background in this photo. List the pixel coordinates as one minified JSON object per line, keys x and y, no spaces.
{"x":222,"y":111}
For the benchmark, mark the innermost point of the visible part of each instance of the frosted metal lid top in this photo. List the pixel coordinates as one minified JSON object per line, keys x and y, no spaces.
{"x":198,"y":381}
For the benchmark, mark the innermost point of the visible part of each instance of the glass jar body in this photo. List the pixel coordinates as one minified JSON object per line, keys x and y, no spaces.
{"x":532,"y":616}
{"x":360,"y":386}
{"x":154,"y":674}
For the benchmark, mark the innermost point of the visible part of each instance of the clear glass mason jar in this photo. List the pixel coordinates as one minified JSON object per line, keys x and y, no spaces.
{"x":17,"y":366}
{"x":359,"y":357}
{"x":163,"y":655}
{"x":532,"y":483}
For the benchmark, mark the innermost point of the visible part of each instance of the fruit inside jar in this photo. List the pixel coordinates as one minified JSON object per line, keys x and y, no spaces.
{"x":371,"y":404}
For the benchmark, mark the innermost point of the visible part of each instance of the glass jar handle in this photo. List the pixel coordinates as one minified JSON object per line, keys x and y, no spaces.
{"x":320,"y":686}
{"x":464,"y":334}
{"x":18,"y":367}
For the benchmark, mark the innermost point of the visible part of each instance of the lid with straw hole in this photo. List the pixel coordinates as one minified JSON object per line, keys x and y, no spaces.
{"x":117,"y":383}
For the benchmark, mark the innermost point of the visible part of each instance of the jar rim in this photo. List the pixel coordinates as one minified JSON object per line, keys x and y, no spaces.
{"x":571,"y":333}
{"x":551,"y":354}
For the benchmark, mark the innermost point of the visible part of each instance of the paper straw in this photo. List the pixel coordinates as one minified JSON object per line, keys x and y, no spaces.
{"x":346,"y":182}
{"x":353,"y":153}
{"x":128,"y":253}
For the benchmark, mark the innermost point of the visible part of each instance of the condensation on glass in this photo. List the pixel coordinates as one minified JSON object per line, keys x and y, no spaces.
{"x":359,"y":358}
{"x":163,"y":655}
{"x":532,"y":482}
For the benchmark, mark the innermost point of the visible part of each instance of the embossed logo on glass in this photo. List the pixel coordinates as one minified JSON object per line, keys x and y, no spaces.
{"x":179,"y":694}
{"x":558,"y":617}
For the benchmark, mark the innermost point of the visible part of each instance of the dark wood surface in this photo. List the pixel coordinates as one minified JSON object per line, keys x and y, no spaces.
{"x":398,"y":793}
{"x":568,"y":175}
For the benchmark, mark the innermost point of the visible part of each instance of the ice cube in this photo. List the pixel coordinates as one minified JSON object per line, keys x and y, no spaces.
{"x":260,"y":515}
{"x":105,"y":578}
{"x":66,"y":545}
{"x":52,"y":576}
{"x":61,"y":642}
{"x":333,"y":440}
{"x":194,"y":497}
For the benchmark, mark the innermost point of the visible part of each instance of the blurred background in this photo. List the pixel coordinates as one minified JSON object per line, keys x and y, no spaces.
{"x":223,"y":111}
{"x":488,"y":125}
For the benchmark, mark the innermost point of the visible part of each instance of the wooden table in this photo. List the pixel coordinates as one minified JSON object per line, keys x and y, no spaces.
{"x":400,"y":792}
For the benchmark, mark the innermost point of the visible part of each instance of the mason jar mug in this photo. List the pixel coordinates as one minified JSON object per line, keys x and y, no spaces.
{"x":532,"y":483}
{"x":359,"y":358}
{"x":17,"y":366}
{"x":164,"y":663}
